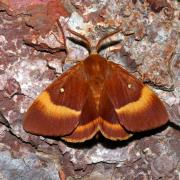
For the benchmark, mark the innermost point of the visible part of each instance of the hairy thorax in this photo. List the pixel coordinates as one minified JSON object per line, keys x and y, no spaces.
{"x":95,"y":67}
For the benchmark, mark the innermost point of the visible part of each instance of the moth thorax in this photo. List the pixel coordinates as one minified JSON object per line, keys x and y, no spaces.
{"x":96,"y":68}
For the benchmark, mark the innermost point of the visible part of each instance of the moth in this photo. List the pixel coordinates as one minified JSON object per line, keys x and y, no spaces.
{"x":95,"y":95}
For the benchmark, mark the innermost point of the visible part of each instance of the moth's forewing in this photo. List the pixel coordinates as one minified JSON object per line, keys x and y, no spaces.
{"x":138,"y":108}
{"x":56,"y":111}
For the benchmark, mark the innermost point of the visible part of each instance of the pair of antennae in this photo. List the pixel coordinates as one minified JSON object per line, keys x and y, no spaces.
{"x":87,"y":44}
{"x":91,"y":48}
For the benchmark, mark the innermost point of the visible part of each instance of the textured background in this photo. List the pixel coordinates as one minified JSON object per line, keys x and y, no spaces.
{"x":32,"y":55}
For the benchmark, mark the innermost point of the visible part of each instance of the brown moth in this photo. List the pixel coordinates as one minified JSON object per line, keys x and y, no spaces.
{"x":94,"y":96}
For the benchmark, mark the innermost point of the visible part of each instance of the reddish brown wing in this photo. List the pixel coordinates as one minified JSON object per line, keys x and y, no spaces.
{"x":57,"y":110}
{"x":135,"y":104}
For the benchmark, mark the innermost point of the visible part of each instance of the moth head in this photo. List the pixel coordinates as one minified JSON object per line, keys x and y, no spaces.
{"x":99,"y":46}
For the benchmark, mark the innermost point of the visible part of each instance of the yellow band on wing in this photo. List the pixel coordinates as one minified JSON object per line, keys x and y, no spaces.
{"x":45,"y":104}
{"x":140,"y":105}
{"x":93,"y":123}
{"x":116,"y":128}
{"x":81,"y":133}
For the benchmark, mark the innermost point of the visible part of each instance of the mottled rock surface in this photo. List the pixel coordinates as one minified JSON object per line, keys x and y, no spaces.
{"x":33,"y":53}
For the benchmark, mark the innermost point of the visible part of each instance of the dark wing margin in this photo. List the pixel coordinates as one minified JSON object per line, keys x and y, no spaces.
{"x":138,"y":108}
{"x":56,"y":110}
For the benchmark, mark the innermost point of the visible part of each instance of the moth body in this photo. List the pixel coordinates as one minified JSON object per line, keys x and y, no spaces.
{"x":94,"y":96}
